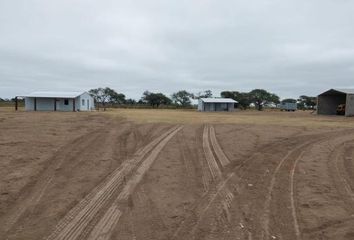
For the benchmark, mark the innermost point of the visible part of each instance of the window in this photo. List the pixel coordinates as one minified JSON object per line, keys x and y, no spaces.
{"x":83,"y":102}
{"x":66,"y":101}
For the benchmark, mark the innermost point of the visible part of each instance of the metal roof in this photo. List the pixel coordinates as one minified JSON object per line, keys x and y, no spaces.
{"x":54,"y":94}
{"x":345,"y":90}
{"x":218,"y":100}
{"x":339,"y":90}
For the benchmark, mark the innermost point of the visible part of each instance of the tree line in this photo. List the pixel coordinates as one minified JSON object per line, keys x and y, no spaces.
{"x":183,"y":99}
{"x":109,"y":97}
{"x":260,"y":98}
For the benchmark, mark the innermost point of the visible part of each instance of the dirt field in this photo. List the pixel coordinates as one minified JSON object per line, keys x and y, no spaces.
{"x":167,"y":174}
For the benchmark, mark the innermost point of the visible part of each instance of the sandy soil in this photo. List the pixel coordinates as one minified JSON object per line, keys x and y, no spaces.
{"x":107,"y":176}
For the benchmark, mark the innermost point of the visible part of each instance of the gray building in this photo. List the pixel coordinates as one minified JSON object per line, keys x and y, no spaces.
{"x":59,"y":101}
{"x":328,"y":101}
{"x":216,"y":104}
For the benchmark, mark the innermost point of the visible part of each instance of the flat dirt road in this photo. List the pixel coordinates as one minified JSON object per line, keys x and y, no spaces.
{"x":147,"y":174}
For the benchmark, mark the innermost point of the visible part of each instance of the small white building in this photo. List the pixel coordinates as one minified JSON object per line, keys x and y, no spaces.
{"x":216,"y":104}
{"x":59,"y":101}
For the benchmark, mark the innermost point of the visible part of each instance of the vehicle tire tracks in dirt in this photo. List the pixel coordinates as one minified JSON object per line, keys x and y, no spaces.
{"x":219,"y":189}
{"x":286,"y":184}
{"x":35,"y":191}
{"x":73,"y":225}
{"x":122,"y":202}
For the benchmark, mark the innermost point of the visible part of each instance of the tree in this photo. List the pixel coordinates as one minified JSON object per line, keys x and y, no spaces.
{"x":182,"y":98}
{"x":118,"y":98}
{"x":242,"y":98}
{"x":273,"y":99}
{"x":260,"y":97}
{"x":106,"y":95}
{"x":130,"y":101}
{"x":155,"y":99}
{"x":205,"y":94}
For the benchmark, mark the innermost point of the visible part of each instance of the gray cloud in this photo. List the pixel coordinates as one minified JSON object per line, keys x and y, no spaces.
{"x":288,"y":47}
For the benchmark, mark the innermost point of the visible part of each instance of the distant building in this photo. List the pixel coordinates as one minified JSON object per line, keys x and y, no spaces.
{"x":329,"y":102}
{"x":59,"y":101}
{"x":216,"y":104}
{"x":288,"y":106}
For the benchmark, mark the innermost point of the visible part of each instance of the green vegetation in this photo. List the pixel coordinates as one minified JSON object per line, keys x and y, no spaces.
{"x":259,"y":97}
{"x":155,"y":99}
{"x":182,"y":98}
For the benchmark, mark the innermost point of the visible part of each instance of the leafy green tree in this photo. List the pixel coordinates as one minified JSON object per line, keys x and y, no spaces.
{"x":106,"y":95}
{"x":260,"y":97}
{"x":182,"y":98}
{"x":242,"y":98}
{"x":155,"y":99}
{"x":273,"y":99}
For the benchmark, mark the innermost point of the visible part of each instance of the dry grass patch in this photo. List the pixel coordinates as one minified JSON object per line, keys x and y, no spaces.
{"x":299,"y":118}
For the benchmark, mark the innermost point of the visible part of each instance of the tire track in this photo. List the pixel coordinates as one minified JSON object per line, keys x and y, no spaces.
{"x":267,"y":205}
{"x":330,"y":190}
{"x":128,"y":190}
{"x":105,"y":226}
{"x":292,"y":200}
{"x":219,"y":191}
{"x":209,"y":156}
{"x":72,"y":225}
{"x":345,"y":182}
{"x":65,"y":153}
{"x":292,"y":157}
{"x":217,"y":149}
{"x":243,"y":171}
{"x":144,"y":167}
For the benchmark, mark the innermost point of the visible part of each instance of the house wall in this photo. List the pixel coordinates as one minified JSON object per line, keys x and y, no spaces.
{"x":29,"y":104}
{"x":349,"y":107}
{"x":61,"y":105}
{"x":43,"y":104}
{"x":212,"y":107}
{"x":47,"y":104}
{"x":231,"y":107}
{"x":200,"y":105}
{"x":208,"y":107}
{"x":85,"y":102}
{"x":327,"y":104}
{"x":221,"y":107}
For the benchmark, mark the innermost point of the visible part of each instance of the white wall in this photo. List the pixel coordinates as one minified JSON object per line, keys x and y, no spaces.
{"x":43,"y":104}
{"x":82,"y":102}
{"x":47,"y":104}
{"x":29,"y":104}
{"x":200,"y":105}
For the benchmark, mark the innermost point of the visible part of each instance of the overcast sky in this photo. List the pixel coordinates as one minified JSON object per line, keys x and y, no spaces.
{"x":289,"y":47}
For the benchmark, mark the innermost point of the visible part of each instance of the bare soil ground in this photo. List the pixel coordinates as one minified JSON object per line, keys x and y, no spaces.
{"x":154,"y":174}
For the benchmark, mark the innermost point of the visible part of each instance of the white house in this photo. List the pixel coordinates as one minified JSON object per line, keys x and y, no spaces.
{"x":216,"y":104}
{"x":59,"y":101}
